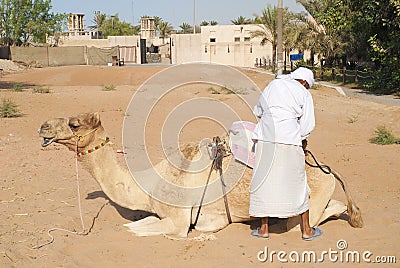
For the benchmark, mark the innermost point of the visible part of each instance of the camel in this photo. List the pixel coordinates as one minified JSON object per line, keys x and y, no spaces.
{"x":85,"y":135}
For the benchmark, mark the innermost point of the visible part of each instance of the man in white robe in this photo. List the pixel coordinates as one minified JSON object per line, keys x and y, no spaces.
{"x":279,"y":184}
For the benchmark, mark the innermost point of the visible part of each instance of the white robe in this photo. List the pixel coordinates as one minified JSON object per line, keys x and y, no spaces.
{"x":286,"y":113}
{"x":279,"y":185}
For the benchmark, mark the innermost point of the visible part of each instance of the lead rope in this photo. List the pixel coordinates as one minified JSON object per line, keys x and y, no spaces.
{"x":324,"y":168}
{"x":83,"y":232}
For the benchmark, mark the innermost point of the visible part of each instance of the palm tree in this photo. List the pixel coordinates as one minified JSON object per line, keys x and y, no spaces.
{"x":213,"y":23}
{"x":165,"y":29}
{"x":267,"y":31}
{"x":204,"y":23}
{"x":186,"y":28}
{"x":98,"y":20}
{"x":157,"y":21}
{"x":241,"y":21}
{"x":267,"y":24}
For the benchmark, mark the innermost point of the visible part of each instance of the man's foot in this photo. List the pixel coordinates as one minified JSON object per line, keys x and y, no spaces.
{"x":316,"y":232}
{"x":256,"y":233}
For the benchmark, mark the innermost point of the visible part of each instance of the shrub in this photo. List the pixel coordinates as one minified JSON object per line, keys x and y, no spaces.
{"x":9,"y":109}
{"x":384,"y":136}
{"x":18,"y":87}
{"x":352,"y":119}
{"x":213,"y":90}
{"x":110,"y":87}
{"x":42,"y":90}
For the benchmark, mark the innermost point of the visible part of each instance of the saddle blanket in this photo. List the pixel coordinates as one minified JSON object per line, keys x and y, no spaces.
{"x":242,"y":146}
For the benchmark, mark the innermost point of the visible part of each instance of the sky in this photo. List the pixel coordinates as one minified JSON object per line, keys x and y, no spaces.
{"x":175,"y":12}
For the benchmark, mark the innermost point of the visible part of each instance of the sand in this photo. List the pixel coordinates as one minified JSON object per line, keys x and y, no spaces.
{"x":38,"y":188}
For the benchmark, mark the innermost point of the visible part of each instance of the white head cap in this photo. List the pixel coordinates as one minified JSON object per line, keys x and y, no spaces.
{"x":303,"y":74}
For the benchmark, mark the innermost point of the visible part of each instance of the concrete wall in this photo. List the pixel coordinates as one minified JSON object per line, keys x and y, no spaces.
{"x":186,"y":48}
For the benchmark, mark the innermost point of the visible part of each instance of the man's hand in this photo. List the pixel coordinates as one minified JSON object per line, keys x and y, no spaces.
{"x":304,"y":145}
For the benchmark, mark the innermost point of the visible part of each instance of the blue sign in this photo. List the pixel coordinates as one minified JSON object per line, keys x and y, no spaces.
{"x":294,"y":57}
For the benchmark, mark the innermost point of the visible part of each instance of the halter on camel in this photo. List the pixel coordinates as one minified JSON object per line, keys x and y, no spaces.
{"x":80,"y":138}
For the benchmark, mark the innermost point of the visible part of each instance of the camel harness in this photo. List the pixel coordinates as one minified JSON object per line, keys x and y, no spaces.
{"x":219,"y":150}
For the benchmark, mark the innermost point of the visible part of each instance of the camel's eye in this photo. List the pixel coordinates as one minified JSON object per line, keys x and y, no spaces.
{"x":74,"y":125}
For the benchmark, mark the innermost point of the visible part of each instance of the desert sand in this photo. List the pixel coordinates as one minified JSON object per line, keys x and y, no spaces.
{"x":38,"y":187}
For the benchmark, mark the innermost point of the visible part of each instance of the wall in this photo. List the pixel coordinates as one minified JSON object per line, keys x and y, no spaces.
{"x":222,"y":44}
{"x":232,"y":45}
{"x":186,"y":48}
{"x":58,"y":56}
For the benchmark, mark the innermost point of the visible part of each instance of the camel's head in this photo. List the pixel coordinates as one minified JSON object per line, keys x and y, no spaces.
{"x":67,"y":131}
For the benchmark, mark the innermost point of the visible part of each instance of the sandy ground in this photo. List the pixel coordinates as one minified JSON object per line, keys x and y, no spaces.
{"x":38,"y":189}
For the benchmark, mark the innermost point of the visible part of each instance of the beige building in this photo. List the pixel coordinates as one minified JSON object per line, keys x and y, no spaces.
{"x":222,"y":44}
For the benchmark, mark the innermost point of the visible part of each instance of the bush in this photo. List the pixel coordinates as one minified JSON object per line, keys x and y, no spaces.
{"x":42,"y":90}
{"x":109,"y":87}
{"x":9,"y":109}
{"x":18,"y":87}
{"x":384,"y":136}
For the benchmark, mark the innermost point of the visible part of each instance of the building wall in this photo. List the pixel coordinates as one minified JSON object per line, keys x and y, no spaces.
{"x":186,"y":48}
{"x":222,"y":44}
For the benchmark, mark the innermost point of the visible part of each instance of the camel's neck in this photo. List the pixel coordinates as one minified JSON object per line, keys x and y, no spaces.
{"x":115,"y":181}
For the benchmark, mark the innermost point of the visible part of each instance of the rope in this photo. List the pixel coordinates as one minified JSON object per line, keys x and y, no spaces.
{"x":83,"y":232}
{"x":204,"y":192}
{"x":218,"y":155}
{"x":324,"y":168}
{"x":200,"y":238}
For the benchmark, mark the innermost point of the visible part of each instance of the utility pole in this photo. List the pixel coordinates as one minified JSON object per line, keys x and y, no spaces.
{"x":279,"y":47}
{"x":194,"y":16}
{"x":133,"y":15}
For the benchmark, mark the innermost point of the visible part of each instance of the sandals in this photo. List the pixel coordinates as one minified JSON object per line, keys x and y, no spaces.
{"x":317,"y":233}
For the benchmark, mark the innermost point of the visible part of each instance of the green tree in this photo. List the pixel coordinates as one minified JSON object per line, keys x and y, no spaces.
{"x":381,"y":20}
{"x":165,"y":29}
{"x":241,"y":21}
{"x":359,"y":31}
{"x":336,"y":19}
{"x":98,"y":20}
{"x":114,"y":27}
{"x":186,"y":28}
{"x":24,"y":21}
{"x":204,"y":23}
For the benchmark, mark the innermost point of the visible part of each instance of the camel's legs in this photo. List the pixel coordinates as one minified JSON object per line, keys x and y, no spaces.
{"x":211,"y":222}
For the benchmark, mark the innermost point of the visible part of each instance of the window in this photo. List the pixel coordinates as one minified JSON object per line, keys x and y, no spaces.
{"x":213,"y":40}
{"x":237,"y":39}
{"x":247,"y":39}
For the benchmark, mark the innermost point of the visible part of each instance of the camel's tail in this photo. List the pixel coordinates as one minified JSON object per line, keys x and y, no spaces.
{"x":352,"y":209}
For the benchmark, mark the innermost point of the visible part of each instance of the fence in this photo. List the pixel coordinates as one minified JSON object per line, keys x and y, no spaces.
{"x":343,"y":75}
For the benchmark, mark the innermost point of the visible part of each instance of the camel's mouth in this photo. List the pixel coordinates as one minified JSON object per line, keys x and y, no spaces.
{"x":47,"y":141}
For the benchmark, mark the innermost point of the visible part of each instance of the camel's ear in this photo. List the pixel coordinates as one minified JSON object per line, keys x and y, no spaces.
{"x":95,"y":120}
